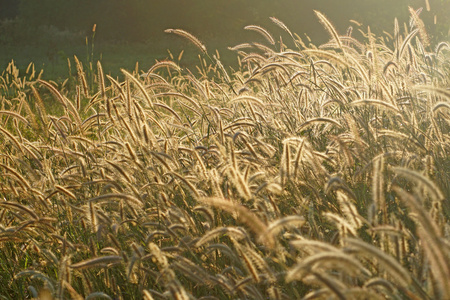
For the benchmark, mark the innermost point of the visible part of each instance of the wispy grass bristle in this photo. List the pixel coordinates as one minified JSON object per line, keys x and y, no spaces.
{"x":188,"y":36}
{"x":262,"y":31}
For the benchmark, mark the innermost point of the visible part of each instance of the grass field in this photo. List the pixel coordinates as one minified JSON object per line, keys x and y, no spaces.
{"x":305,"y":172}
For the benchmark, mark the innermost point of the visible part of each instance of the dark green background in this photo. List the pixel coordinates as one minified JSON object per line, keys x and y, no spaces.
{"x":140,"y":20}
{"x":47,"y":31}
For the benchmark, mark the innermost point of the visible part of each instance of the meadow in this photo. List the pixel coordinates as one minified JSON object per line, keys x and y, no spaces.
{"x":306,"y":172}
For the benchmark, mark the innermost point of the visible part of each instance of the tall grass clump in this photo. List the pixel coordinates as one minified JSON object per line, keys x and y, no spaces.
{"x":308,"y":172}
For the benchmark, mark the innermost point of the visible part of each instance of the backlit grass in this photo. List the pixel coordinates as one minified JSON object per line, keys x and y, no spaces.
{"x":308,"y":172}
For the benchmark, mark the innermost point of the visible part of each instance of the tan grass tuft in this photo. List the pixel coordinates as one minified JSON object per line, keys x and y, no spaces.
{"x":97,"y":262}
{"x":262,"y":31}
{"x":329,"y":27}
{"x":244,"y":215}
{"x":188,"y":36}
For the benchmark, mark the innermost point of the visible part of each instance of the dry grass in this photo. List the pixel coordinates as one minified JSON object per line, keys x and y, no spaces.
{"x":310,"y":172}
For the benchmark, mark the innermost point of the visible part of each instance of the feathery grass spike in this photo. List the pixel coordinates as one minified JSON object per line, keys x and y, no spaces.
{"x":188,"y":36}
{"x":329,"y":27}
